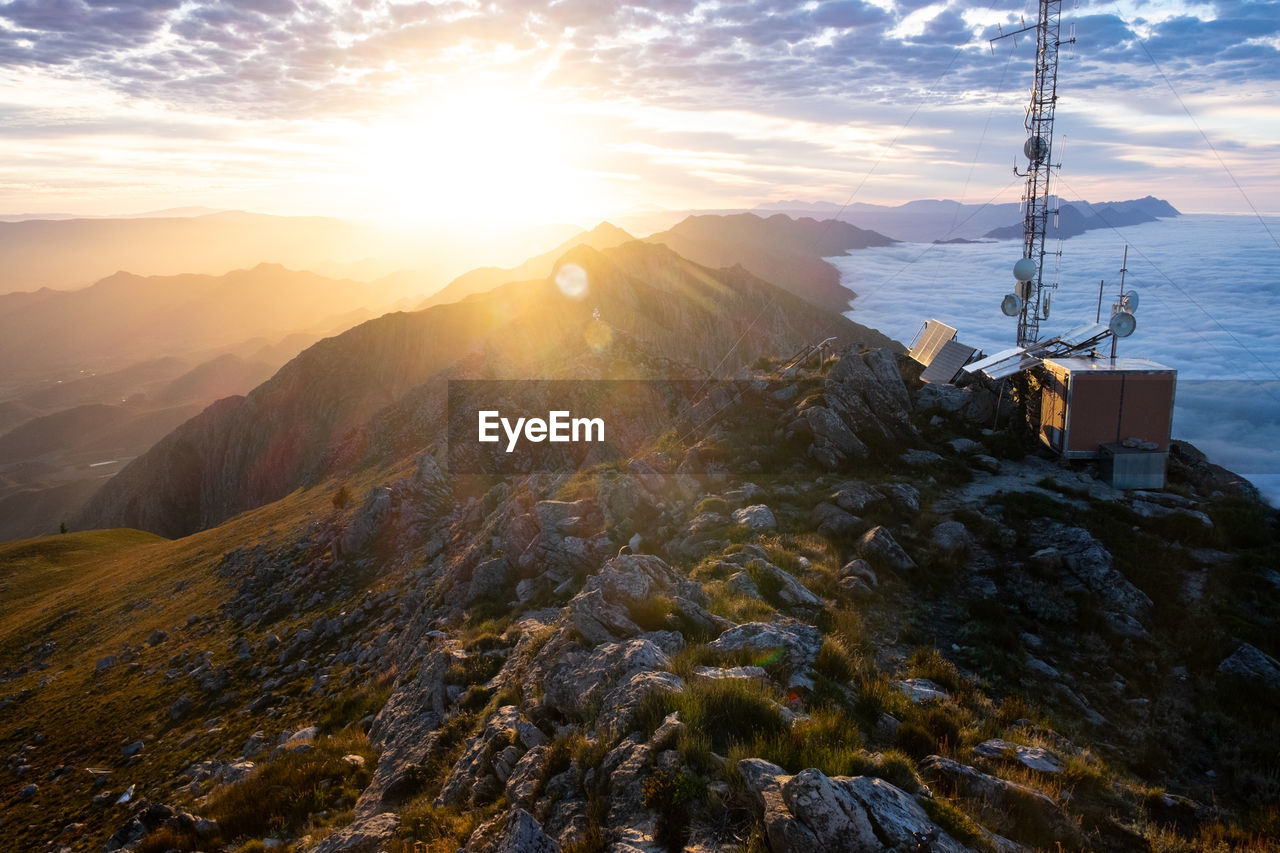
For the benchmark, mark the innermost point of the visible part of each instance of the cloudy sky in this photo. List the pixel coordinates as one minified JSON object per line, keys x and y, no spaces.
{"x":576,"y":109}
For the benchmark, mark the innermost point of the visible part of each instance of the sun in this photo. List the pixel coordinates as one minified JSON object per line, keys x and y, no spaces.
{"x":478,"y":155}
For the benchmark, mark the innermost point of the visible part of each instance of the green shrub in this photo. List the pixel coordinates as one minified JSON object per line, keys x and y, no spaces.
{"x":956,"y":823}
{"x":423,"y":821}
{"x":486,"y":641}
{"x":929,"y":663}
{"x":669,"y":794}
{"x":651,"y":614}
{"x":168,"y":838}
{"x":914,"y":739}
{"x":727,"y":710}
{"x":353,"y":705}
{"x":834,"y":661}
{"x":943,"y":727}
{"x":893,"y":766}
{"x":473,"y":669}
{"x":713,"y":504}
{"x":282,"y":795}
{"x":828,"y":740}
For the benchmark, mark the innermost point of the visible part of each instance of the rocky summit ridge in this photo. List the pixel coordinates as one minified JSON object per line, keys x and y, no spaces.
{"x":841,"y":614}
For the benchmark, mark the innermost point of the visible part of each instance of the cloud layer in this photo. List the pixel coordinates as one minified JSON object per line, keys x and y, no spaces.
{"x":287,"y":57}
{"x":712,"y":103}
{"x":1206,"y":309}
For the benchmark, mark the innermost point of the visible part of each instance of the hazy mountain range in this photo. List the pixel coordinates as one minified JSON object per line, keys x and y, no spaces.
{"x":126,"y":318}
{"x":73,"y":253}
{"x":928,"y":220}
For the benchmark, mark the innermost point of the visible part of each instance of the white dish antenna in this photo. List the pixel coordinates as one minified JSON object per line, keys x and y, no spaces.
{"x":1011,"y":305}
{"x":1122,"y":324}
{"x":1129,"y":301}
{"x":1024,"y":270}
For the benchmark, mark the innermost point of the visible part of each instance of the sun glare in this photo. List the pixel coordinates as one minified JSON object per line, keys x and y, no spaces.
{"x":482,"y":155}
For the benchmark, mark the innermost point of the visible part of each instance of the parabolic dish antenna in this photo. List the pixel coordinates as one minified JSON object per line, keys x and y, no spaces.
{"x":1024,"y":270}
{"x":1011,"y":305}
{"x":1129,"y":301}
{"x":1036,"y":149}
{"x":1122,"y":324}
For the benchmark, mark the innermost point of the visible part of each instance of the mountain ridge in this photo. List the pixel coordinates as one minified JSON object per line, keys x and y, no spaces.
{"x":246,"y":451}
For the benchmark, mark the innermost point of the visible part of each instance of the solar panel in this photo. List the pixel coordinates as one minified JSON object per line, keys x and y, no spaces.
{"x":1004,"y":363}
{"x":983,"y":363}
{"x":1011,"y":366}
{"x":947,"y":363}
{"x":1080,"y":334}
{"x":935,"y":335}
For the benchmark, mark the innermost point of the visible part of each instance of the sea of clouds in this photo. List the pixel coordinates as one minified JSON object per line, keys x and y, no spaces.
{"x":1209,"y":306}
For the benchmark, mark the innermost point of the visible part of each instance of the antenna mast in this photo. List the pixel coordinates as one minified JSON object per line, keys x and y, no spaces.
{"x":1029,"y":272}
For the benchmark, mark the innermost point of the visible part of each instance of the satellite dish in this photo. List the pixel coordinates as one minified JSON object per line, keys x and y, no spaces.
{"x":1129,"y":301}
{"x":1036,"y":149}
{"x":1022,"y":290}
{"x":1122,"y":324}
{"x":1024,"y":270}
{"x":1011,"y":305}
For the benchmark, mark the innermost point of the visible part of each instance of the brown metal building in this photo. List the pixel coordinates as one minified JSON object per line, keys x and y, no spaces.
{"x":1118,"y":410}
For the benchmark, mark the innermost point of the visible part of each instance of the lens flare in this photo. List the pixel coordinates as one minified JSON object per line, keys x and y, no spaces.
{"x":572,"y":281}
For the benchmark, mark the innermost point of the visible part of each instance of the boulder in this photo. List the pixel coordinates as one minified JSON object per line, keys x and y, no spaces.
{"x":799,"y":643}
{"x":1087,"y":567}
{"x":834,"y":522}
{"x":599,"y":620}
{"x":514,"y":831}
{"x":404,"y":730}
{"x":366,"y":835}
{"x":904,"y":496}
{"x":811,"y":811}
{"x":580,"y":680}
{"x":855,"y":496}
{"x":621,"y":703}
{"x":526,"y":777}
{"x":180,"y":707}
{"x":490,"y":579}
{"x":918,"y":458}
{"x":789,"y":590}
{"x":951,"y":537}
{"x":569,"y":518}
{"x":1032,"y":757}
{"x":1253,"y":665}
{"x":921,"y":690}
{"x":470,"y":782}
{"x":867,"y":392}
{"x":757,"y":517}
{"x":958,"y":779}
{"x":740,"y":673}
{"x":833,"y":442}
{"x":878,"y":547}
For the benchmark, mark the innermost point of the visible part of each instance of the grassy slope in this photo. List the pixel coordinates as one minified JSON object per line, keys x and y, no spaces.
{"x":82,"y":593}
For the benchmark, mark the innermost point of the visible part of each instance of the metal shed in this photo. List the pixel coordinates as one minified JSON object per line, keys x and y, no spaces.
{"x":1103,"y":408}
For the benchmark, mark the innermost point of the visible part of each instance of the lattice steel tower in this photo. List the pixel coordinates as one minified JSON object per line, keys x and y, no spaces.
{"x":1032,"y":302}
